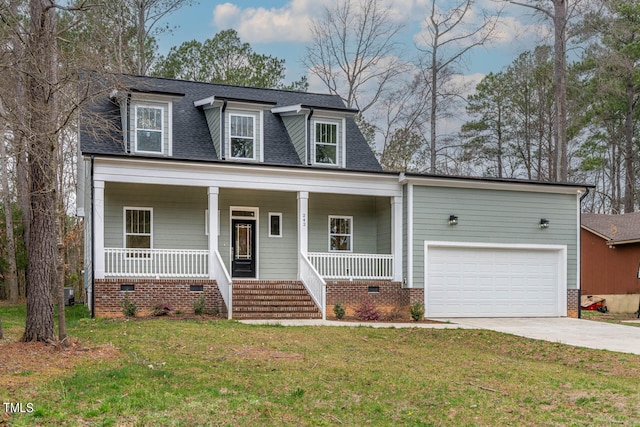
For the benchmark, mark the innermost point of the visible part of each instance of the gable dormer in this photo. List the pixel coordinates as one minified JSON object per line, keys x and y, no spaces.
{"x":236,"y":127}
{"x":147,"y":121}
{"x":318,"y":134}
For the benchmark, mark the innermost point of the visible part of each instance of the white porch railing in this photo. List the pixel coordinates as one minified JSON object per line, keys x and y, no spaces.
{"x":224,"y":281}
{"x":339,"y":265}
{"x":314,"y":283}
{"x":184,"y":263}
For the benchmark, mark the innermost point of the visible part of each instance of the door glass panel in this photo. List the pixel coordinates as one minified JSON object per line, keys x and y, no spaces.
{"x":243,"y":241}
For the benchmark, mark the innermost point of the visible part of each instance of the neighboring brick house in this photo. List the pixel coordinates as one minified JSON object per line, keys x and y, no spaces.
{"x":610,"y":262}
{"x":270,"y":203}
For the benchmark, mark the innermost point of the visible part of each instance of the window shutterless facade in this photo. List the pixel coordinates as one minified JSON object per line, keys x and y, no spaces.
{"x":325,"y":143}
{"x":340,"y":233}
{"x":242,"y":136}
{"x":275,"y":224}
{"x":138,"y":229}
{"x":149,"y":129}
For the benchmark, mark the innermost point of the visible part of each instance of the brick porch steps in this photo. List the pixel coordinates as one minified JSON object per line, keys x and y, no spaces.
{"x":272,"y":300}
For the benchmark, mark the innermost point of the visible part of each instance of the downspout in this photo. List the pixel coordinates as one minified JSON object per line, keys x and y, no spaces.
{"x":309,"y":136}
{"x":222,"y":142}
{"x":586,"y":193}
{"x":93,"y":245}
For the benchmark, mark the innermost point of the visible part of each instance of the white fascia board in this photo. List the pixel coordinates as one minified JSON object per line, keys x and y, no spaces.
{"x":204,"y":101}
{"x":491,"y":185}
{"x":287,"y":109}
{"x":157,"y":97}
{"x":144,"y":171}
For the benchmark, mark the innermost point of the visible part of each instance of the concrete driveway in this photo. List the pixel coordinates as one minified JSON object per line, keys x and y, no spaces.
{"x":576,"y":332}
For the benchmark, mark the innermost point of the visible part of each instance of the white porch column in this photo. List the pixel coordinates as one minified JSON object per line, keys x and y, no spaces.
{"x":396,"y":237}
{"x":303,"y":227}
{"x":303,"y":222}
{"x":98,"y":228}
{"x":213,"y":228}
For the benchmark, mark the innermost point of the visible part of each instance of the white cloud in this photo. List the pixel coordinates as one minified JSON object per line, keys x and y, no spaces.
{"x":290,"y":22}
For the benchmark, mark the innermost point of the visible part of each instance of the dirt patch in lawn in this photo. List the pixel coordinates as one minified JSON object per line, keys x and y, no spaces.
{"x":22,"y":364}
{"x":262,"y":353}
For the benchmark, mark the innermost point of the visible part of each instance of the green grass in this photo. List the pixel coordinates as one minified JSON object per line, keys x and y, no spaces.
{"x":618,"y":318}
{"x":223,"y":373}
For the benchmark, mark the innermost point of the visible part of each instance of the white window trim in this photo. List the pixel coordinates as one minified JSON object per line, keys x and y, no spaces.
{"x":273,"y":214}
{"x":243,"y":137}
{"x":135,"y":127}
{"x":350,"y":218}
{"x":124,"y":223}
{"x":339,"y":144}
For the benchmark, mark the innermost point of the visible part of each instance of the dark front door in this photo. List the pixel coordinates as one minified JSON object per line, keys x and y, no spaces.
{"x":243,"y":259}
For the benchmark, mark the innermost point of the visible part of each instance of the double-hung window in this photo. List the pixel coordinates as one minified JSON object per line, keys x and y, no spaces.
{"x":340,"y":233}
{"x":138,"y":229}
{"x":149,"y":130}
{"x":326,"y":143}
{"x":242,"y":136}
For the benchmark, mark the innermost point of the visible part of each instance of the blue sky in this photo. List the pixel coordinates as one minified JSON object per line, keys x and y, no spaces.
{"x":280,"y":28}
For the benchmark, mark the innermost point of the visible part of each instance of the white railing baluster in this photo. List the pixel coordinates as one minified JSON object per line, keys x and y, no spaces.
{"x":187,"y":263}
{"x":335,"y":265}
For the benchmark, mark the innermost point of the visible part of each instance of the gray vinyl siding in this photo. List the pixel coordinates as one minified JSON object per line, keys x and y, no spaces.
{"x":361,"y":208}
{"x":213,"y":121}
{"x":277,"y":256}
{"x":493,"y":216}
{"x":257,"y":131}
{"x":297,"y":130}
{"x":383,"y":223}
{"x":178,"y":214}
{"x":165,"y":124}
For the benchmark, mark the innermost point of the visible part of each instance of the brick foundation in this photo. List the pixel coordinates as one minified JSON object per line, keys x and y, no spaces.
{"x":389,"y":295}
{"x":148,"y":293}
{"x":573,"y":303}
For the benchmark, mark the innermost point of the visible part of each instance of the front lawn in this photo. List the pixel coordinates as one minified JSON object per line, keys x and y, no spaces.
{"x":165,"y":371}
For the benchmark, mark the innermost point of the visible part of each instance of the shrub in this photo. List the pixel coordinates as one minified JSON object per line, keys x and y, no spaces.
{"x":367,"y":311}
{"x":396,"y":313}
{"x":199,"y":305}
{"x":339,"y":310}
{"x":161,"y":309}
{"x":417,"y":311}
{"x":129,"y":308}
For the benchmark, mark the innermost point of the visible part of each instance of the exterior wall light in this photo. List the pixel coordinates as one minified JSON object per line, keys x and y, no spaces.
{"x":544,"y":223}
{"x":453,"y":220}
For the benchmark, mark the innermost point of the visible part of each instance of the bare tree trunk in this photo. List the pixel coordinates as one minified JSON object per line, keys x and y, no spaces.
{"x":11,"y":276}
{"x":41,"y":275}
{"x":1,"y":333}
{"x":434,"y":110}
{"x":560,"y":81}
{"x":629,"y":152}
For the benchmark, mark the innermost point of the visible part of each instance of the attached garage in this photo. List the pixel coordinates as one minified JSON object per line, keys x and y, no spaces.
{"x":494,"y":280}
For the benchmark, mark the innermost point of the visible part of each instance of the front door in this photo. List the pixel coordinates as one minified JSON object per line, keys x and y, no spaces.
{"x":243,"y":256}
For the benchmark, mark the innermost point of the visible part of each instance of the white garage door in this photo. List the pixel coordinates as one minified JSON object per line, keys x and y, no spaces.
{"x":477,"y":280}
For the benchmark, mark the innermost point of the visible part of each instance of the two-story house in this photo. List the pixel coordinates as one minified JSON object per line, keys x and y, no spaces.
{"x":270,"y":203}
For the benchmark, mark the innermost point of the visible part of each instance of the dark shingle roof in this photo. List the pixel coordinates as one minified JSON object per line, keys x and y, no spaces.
{"x":617,"y":229}
{"x":191,"y":138}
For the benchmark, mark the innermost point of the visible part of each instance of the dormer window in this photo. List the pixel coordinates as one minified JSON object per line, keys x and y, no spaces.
{"x":325,"y":143}
{"x":242,"y":136}
{"x":149,"y":129}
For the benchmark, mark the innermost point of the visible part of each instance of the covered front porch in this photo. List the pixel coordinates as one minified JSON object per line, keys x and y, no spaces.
{"x":224,"y":235}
